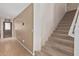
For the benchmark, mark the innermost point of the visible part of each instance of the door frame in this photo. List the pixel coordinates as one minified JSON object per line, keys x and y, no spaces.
{"x":4,"y":28}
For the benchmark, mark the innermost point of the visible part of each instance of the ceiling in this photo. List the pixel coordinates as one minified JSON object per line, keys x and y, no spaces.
{"x":8,"y":10}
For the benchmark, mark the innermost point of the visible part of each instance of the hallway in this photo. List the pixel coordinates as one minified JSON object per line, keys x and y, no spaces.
{"x":11,"y":47}
{"x":16,"y":26}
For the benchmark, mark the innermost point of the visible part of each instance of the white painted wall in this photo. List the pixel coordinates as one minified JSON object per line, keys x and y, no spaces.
{"x":76,"y":45}
{"x":37,"y":27}
{"x":46,"y":18}
{"x":76,"y":35}
{"x":72,"y":6}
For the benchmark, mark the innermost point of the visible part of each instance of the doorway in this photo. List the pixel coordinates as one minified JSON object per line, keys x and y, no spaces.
{"x":7,"y":29}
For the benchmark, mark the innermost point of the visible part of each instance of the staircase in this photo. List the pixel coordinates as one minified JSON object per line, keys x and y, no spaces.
{"x":59,"y":43}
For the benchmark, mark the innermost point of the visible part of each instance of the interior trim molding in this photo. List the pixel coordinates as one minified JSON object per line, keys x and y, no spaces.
{"x":25,"y":47}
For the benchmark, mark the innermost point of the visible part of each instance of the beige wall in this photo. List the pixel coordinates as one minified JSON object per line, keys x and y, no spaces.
{"x":24,"y":32}
{"x":72,"y":6}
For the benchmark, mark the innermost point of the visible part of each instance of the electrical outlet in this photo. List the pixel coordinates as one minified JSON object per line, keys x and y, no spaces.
{"x":22,"y":40}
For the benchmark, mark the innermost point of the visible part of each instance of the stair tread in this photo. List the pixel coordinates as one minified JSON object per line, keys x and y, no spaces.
{"x":41,"y":54}
{"x":60,"y":34}
{"x":61,"y":47}
{"x":63,"y":37}
{"x":62,"y":41}
{"x":52,"y":52}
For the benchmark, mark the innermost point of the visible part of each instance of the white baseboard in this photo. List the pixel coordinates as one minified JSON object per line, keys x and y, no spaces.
{"x":25,"y":47}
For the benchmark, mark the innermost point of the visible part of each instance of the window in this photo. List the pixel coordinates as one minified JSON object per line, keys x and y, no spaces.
{"x":7,"y":26}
